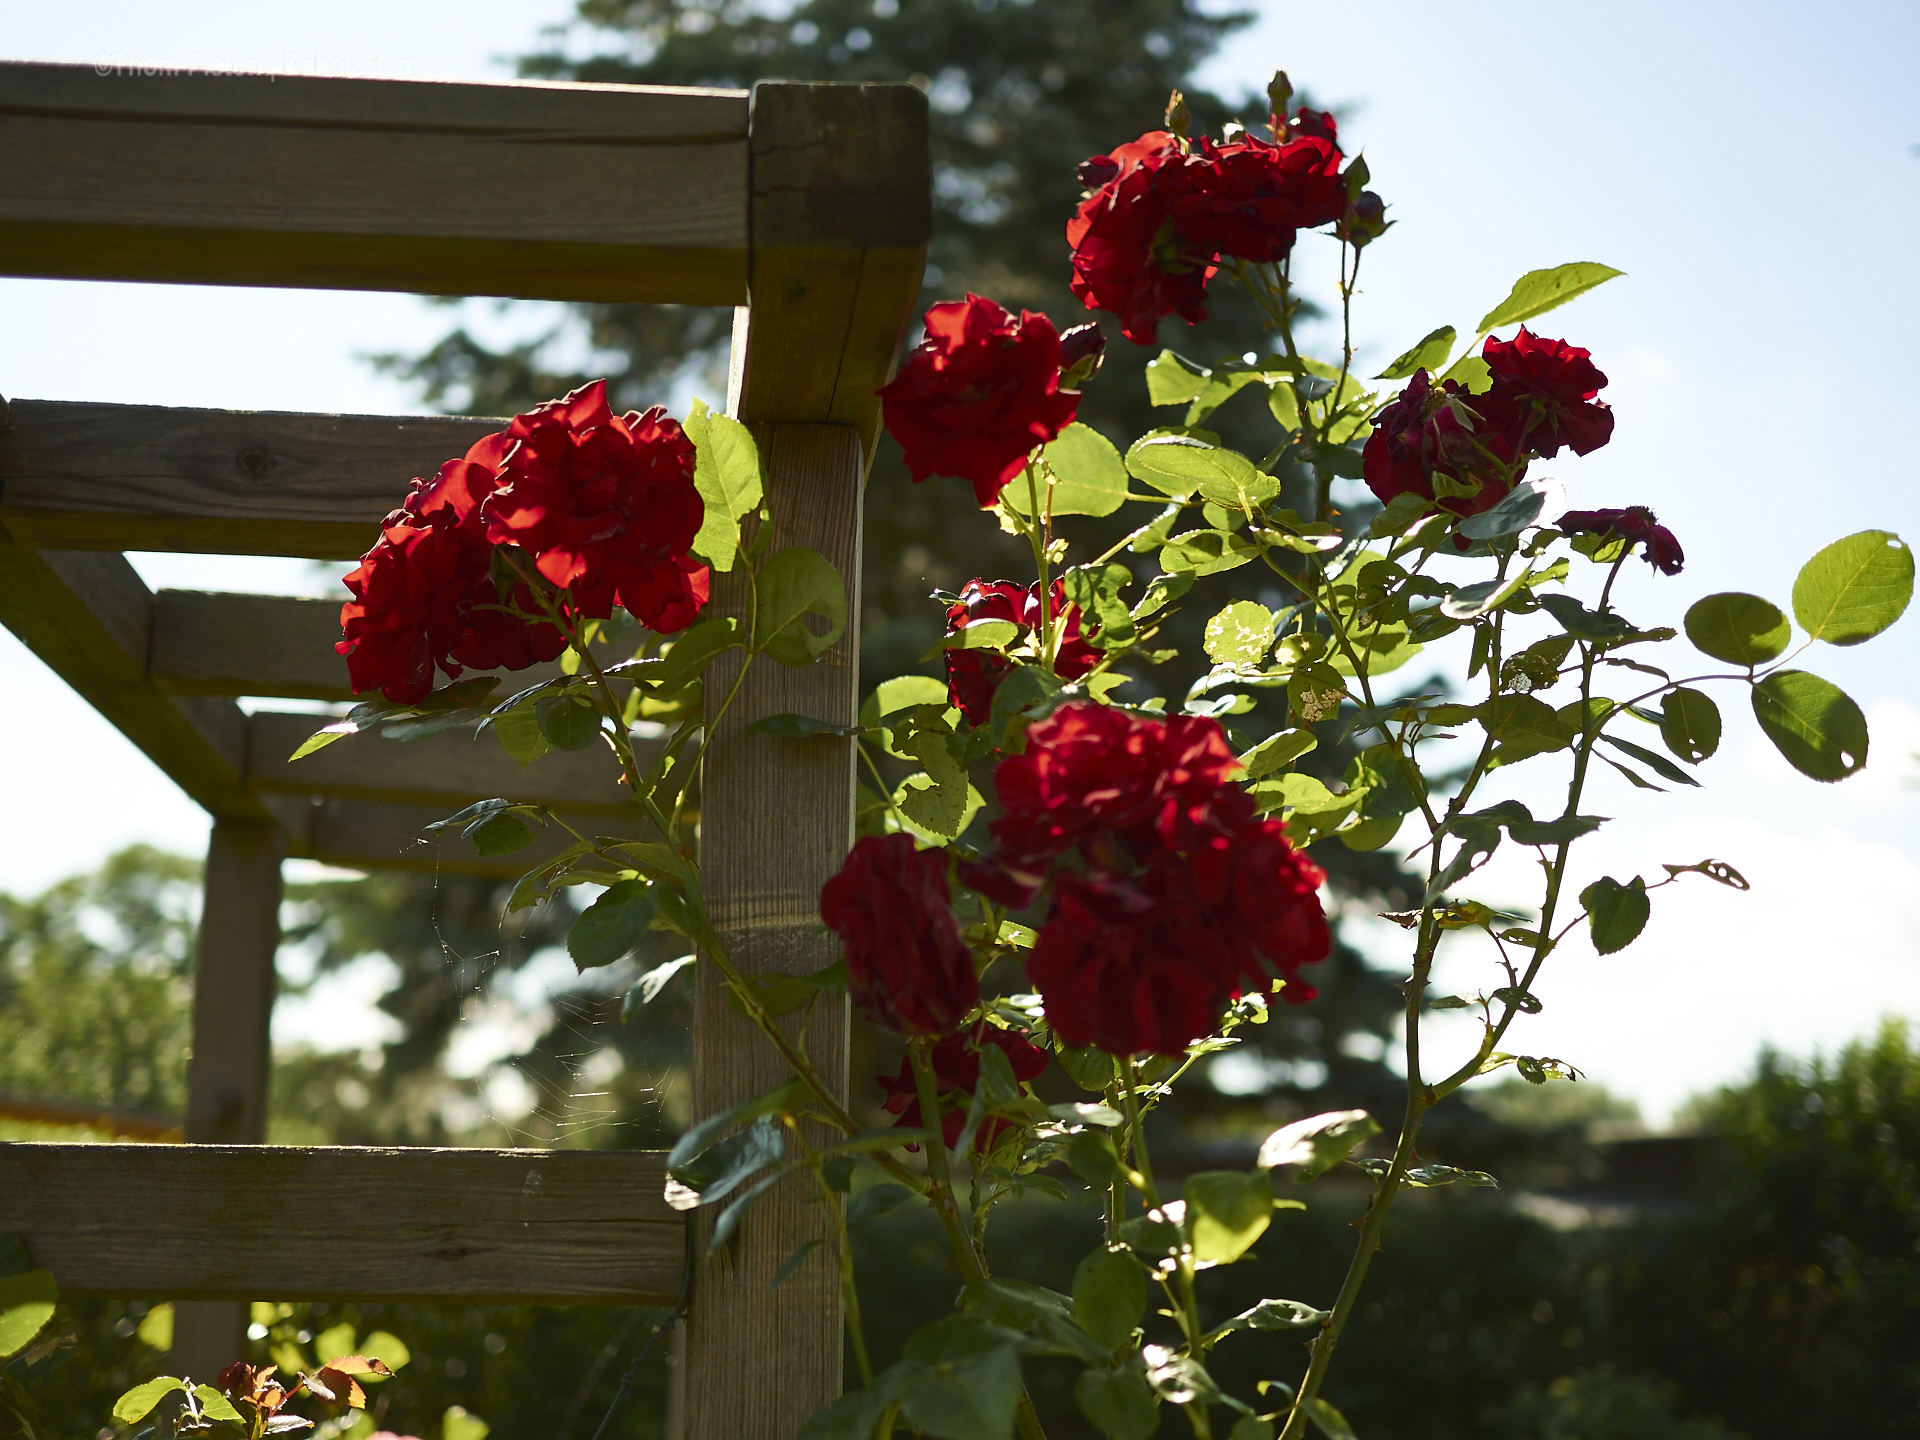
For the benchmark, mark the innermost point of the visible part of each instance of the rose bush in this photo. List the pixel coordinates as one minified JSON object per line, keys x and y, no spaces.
{"x":1142,"y":884}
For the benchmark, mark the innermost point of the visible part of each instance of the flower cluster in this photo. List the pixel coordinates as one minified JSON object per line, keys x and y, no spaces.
{"x":974,"y":675}
{"x":1160,"y":213}
{"x":907,"y":967}
{"x":603,"y":507}
{"x":1168,"y":896}
{"x":956,"y":1072}
{"x":1466,"y":451}
{"x":983,"y":389}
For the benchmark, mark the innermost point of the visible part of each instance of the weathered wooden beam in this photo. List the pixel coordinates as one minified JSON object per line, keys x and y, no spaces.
{"x":135,"y":1124}
{"x":842,"y":211}
{"x":776,"y":821}
{"x":86,"y":615}
{"x":370,"y":835}
{"x":550,"y":191}
{"x":145,"y":477}
{"x":482,"y":1227}
{"x":452,"y":768}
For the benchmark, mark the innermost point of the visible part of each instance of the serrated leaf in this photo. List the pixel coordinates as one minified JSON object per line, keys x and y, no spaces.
{"x":1239,"y":634}
{"x":520,"y":733}
{"x":1519,"y":508}
{"x":1120,"y":1403}
{"x":613,"y":925}
{"x":1173,"y":379}
{"x":1538,"y":291}
{"x":569,"y":722}
{"x":1616,"y":913}
{"x":500,"y":834}
{"x":730,"y":476}
{"x":1813,"y":723}
{"x":791,"y":587}
{"x":1200,"y":552}
{"x":1089,"y":477}
{"x":1227,"y":1210}
{"x":694,"y":649}
{"x":1277,"y":750}
{"x":1317,"y":1143}
{"x":1854,"y":588}
{"x":139,"y":1401}
{"x":1428,"y":355}
{"x":1738,"y":628}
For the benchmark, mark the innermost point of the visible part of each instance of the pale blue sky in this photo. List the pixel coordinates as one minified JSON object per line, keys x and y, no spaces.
{"x":1748,"y":165}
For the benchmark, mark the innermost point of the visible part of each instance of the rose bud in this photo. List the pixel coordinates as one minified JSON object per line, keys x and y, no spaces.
{"x":1081,"y":349}
{"x":1365,"y":220}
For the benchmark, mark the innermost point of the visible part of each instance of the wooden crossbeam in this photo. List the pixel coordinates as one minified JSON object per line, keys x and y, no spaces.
{"x":260,"y":1222}
{"x":548,"y":191}
{"x":377,"y":835}
{"x":146,"y":477}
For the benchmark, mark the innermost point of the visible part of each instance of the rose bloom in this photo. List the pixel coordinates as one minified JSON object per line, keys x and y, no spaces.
{"x":975,"y":397}
{"x":1128,"y":255}
{"x":956,"y":1073}
{"x":425,"y":595}
{"x":1145,"y":963}
{"x":1426,"y":431}
{"x":1637,"y":525}
{"x":1543,"y":395}
{"x":974,"y":675}
{"x":604,"y":504}
{"x":1253,"y":197}
{"x":907,"y":967}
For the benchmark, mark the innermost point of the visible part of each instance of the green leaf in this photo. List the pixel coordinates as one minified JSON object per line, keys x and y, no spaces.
{"x":854,"y":1415}
{"x":792,"y":585}
{"x":1279,"y":749}
{"x":902,"y":692}
{"x":1314,"y":693}
{"x":694,"y":649}
{"x":1616,"y":913}
{"x":1538,"y":291}
{"x":1855,"y":588}
{"x":1181,"y":465}
{"x":968,"y":1386}
{"x":26,"y":1304}
{"x":717,"y":1172}
{"x":1251,"y":1427}
{"x":1109,"y":1295}
{"x":1524,"y":726}
{"x":156,"y":1327}
{"x":1227,"y":1210}
{"x":387,"y":1348}
{"x":792,"y":1263}
{"x":877,"y":1200}
{"x":520,"y":734}
{"x":570,"y":722}
{"x":1738,"y":628}
{"x":1091,"y":1156}
{"x":799,"y":727}
{"x":1581,"y":622}
{"x":1813,"y":723}
{"x":500,"y":834}
{"x":1690,"y":724}
{"x":1201,"y":552}
{"x":984,"y":635}
{"x":1518,"y":509}
{"x":139,"y":1401}
{"x":1428,"y":355}
{"x":457,"y":1424}
{"x":1224,"y":385}
{"x":613,"y":925}
{"x":1120,"y":1403}
{"x":1657,"y":763}
{"x":1331,"y":1422}
{"x":730,"y":476}
{"x":1317,"y":1143}
{"x":325,"y":736}
{"x":216,"y":1406}
{"x":1096,"y":590}
{"x":1398,"y":516}
{"x":1239,"y":634}
{"x":1088,"y":476}
{"x":1173,"y":379}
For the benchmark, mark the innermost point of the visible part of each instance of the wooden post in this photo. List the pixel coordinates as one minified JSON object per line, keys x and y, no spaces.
{"x":233,"y":984}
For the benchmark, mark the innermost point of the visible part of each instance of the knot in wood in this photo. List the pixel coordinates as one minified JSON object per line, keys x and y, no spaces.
{"x":254,"y":462}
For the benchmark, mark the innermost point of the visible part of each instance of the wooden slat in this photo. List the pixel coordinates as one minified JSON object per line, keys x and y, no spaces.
{"x":245,"y":1222}
{"x":86,"y":615}
{"x":777,"y":818}
{"x":210,"y":643}
{"x":842,"y":210}
{"x":451,"y":768}
{"x":370,"y":835}
{"x":564,"y":192}
{"x":233,"y":986}
{"x":144,"y":477}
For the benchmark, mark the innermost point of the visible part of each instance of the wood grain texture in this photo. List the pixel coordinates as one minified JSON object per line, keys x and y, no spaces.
{"x":370,"y":835}
{"x":451,"y":768}
{"x":145,"y":477}
{"x":842,"y":210}
{"x":568,"y":192}
{"x":777,"y":819}
{"x":233,"y":986}
{"x":86,"y":615}
{"x":244,"y":1222}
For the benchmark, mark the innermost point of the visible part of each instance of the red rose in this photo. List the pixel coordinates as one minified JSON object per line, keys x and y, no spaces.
{"x":425,"y":595}
{"x":606,"y":504}
{"x":1146,"y":962}
{"x":956,"y":1072}
{"x":907,"y":968}
{"x":1252,"y":197}
{"x":975,"y":397}
{"x":1424,"y":432}
{"x":1637,"y":525}
{"x":974,"y":675}
{"x":1542,"y":395}
{"x":1128,"y":257}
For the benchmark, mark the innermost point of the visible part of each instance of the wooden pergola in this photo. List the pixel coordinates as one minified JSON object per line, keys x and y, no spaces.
{"x":806,"y":207}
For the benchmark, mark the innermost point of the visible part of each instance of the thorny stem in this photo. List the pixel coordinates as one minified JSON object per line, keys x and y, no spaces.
{"x":1182,"y":1294}
{"x":1037,"y":538}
